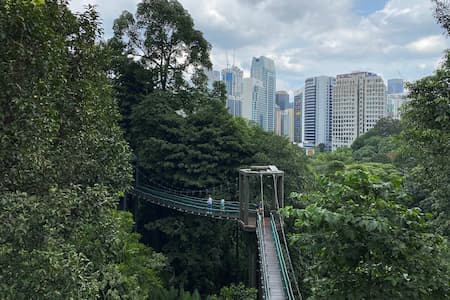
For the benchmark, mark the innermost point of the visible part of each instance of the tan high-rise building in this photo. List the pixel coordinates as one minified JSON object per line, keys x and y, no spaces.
{"x":359,"y":100}
{"x":278,"y":112}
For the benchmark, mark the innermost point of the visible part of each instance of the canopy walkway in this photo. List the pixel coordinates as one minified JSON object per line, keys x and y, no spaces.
{"x":275,"y":265}
{"x":188,"y":204}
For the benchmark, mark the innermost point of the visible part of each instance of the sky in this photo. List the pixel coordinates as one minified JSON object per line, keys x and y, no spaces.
{"x":305,"y":38}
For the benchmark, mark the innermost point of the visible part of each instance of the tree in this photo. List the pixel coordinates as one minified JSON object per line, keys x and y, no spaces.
{"x":162,"y":36}
{"x":427,"y":134}
{"x":427,"y":145}
{"x":201,"y":251}
{"x":380,"y":143}
{"x":442,"y":14}
{"x":356,"y":242}
{"x":64,"y":160}
{"x":277,"y":150}
{"x":236,"y":292}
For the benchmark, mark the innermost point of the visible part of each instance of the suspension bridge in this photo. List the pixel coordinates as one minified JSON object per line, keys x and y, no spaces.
{"x":275,"y":268}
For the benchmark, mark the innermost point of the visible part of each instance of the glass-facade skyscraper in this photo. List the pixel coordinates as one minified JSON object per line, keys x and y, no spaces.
{"x":282,"y":99}
{"x":263,"y":69}
{"x":232,"y":78}
{"x":395,"y":86}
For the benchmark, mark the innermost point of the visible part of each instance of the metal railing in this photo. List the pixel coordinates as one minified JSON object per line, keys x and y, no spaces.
{"x":262,"y":254}
{"x":187,"y":203}
{"x":284,"y":273}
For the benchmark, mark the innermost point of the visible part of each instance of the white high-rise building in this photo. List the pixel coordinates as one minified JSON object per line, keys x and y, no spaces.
{"x":263,"y":69}
{"x":318,"y":111}
{"x":253,"y":91}
{"x":359,"y":101}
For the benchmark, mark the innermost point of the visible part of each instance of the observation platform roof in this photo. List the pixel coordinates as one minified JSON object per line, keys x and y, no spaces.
{"x":264,"y":170}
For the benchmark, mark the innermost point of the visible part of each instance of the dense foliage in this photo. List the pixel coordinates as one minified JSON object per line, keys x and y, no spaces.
{"x":64,"y":163}
{"x":427,"y":142}
{"x":357,"y":242}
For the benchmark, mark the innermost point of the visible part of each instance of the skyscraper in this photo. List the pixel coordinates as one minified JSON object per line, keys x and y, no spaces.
{"x":395,"y":86}
{"x":284,"y":122}
{"x":287,"y":123}
{"x":393,"y":104}
{"x":298,"y":115}
{"x":263,"y":68}
{"x":282,"y":99}
{"x":232,"y":77}
{"x":251,"y":96}
{"x":358,"y":103}
{"x":212,"y":76}
{"x":318,"y":110}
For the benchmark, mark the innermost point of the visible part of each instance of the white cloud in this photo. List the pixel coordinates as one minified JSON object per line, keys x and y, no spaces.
{"x":308,"y":38}
{"x":429,"y":44}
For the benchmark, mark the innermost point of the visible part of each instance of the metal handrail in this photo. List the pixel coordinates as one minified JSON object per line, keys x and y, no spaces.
{"x":187,"y":199}
{"x":190,"y":199}
{"x":291,"y":267}
{"x":262,"y":254}
{"x":199,"y":206}
{"x":284,"y":274}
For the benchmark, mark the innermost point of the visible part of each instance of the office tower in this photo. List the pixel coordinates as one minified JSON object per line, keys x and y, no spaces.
{"x":290,"y":111}
{"x":278,"y":112}
{"x":282,"y":99}
{"x":284,"y":122}
{"x":393,"y":104}
{"x":281,"y":116}
{"x":298,"y":115}
{"x":263,"y":68}
{"x":318,"y":111}
{"x":359,"y":101}
{"x":232,"y":78}
{"x":287,"y":123}
{"x":212,"y":76}
{"x":253,"y":91}
{"x":395,"y":86}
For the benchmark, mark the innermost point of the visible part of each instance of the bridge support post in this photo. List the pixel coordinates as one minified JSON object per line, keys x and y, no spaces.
{"x":252,"y":258}
{"x":243,"y":197}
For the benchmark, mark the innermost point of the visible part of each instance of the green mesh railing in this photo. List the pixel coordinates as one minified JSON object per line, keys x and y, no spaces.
{"x":188,"y":203}
{"x":284,"y":273}
{"x":262,"y":255}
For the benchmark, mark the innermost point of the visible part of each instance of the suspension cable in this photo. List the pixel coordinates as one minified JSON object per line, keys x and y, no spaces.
{"x":182,"y":191}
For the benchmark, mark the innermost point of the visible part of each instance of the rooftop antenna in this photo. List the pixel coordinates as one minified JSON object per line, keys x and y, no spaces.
{"x":226,"y":55}
{"x":234,"y":54}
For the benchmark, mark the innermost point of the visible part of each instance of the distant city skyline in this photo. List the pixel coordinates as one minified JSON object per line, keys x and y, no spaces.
{"x":393,"y":38}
